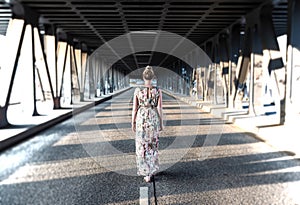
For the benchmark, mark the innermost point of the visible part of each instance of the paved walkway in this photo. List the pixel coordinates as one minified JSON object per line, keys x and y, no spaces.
{"x":90,"y":159}
{"x":283,"y":137}
{"x":23,"y":127}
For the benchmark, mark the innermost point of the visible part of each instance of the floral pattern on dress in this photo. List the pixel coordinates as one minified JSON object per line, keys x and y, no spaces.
{"x":147,"y":131}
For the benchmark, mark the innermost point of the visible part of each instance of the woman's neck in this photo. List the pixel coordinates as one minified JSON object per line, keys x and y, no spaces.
{"x":148,"y":83}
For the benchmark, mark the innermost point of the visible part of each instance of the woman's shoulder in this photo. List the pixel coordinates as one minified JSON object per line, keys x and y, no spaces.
{"x":140,"y":88}
{"x":136,"y":90}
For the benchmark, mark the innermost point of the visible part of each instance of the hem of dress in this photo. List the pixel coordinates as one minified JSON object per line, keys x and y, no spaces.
{"x":144,"y":174}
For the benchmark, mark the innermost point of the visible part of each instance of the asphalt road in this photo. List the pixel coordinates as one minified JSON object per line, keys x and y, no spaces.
{"x":90,"y":159}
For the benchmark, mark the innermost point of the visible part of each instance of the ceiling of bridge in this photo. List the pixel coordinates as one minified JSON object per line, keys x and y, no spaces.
{"x":95,"y":22}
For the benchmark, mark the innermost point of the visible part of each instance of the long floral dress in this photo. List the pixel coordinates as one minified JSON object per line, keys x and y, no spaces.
{"x":147,"y":130}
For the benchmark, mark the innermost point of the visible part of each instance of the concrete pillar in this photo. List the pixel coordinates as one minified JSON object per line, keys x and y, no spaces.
{"x":208,"y":82}
{"x":183,"y":70}
{"x":257,"y":75}
{"x":105,"y":74}
{"x":110,"y":79}
{"x":224,"y":63}
{"x":251,"y":81}
{"x":34,"y":72}
{"x":126,"y":79}
{"x":3,"y":108}
{"x":84,"y":57}
{"x":234,"y":48}
{"x":120,"y":78}
{"x":50,"y":42}
{"x":97,"y":78}
{"x":117,"y":78}
{"x":243,"y":71}
{"x":102,"y":78}
{"x":74,"y":71}
{"x":77,"y":54}
{"x":293,"y":61}
{"x":177,"y":78}
{"x":112,"y":87}
{"x":122,"y":75}
{"x":18,"y":12}
{"x":31,"y":19}
{"x":243,"y":68}
{"x":91,"y":78}
{"x":174,"y":69}
{"x":65,"y":82}
{"x":216,"y":63}
{"x":272,"y":59}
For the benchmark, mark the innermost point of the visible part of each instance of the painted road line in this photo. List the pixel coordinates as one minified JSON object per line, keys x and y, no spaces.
{"x":144,"y":196}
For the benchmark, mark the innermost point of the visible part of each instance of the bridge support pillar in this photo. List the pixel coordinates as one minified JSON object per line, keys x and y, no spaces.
{"x":272,"y":59}
{"x":112,"y":80}
{"x":293,"y":61}
{"x":224,"y":63}
{"x":11,"y":66}
{"x":234,"y":46}
{"x":56,"y":101}
{"x":3,"y":117}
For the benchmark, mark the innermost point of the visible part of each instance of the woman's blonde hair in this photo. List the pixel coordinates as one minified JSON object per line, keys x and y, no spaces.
{"x":148,"y":73}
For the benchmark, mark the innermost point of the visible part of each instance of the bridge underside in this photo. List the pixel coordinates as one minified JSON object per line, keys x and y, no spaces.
{"x":96,"y":22}
{"x":240,"y":54}
{"x":68,"y":69}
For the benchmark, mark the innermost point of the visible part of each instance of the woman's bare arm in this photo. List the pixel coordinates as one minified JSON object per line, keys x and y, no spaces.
{"x":134,"y":111}
{"x":159,"y":109}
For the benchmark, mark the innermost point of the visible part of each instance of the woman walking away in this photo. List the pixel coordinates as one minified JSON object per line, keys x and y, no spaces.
{"x":146,"y":123}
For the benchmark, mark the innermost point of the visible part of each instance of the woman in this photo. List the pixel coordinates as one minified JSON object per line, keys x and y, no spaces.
{"x":146,"y":123}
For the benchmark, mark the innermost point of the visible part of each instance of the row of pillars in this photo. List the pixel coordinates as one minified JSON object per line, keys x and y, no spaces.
{"x":49,"y":69}
{"x":177,"y":78}
{"x":102,"y":79}
{"x":248,"y":66}
{"x":246,"y":60}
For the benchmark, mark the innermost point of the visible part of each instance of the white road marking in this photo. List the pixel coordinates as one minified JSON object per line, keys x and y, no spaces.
{"x":144,"y":196}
